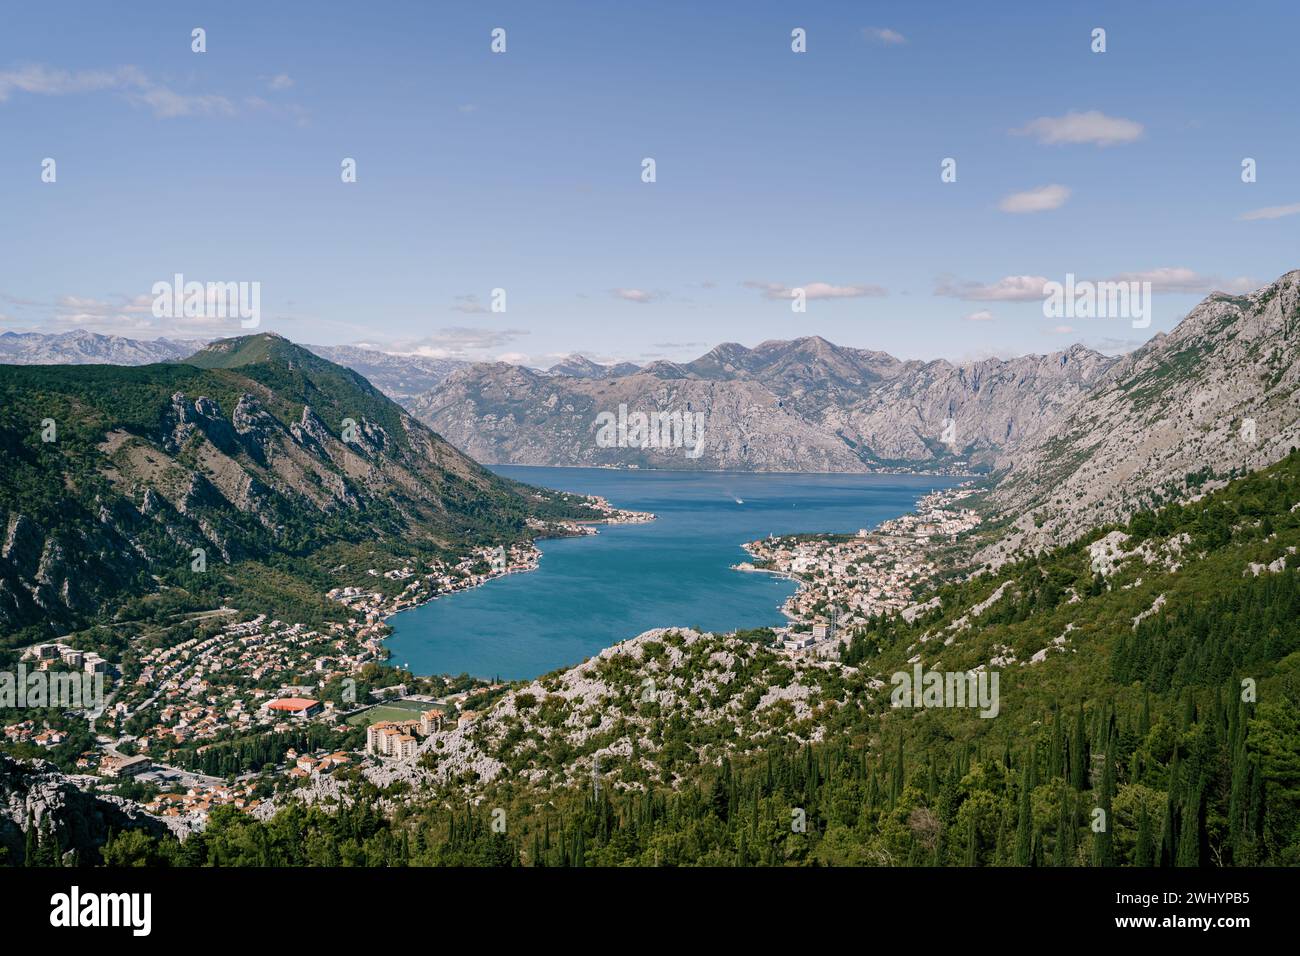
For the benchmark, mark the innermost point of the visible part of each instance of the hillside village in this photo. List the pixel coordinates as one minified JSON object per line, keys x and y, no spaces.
{"x":845,"y":581}
{"x":262,"y":677}
{"x":270,"y":678}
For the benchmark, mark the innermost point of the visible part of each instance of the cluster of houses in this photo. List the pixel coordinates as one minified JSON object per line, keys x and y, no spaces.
{"x":210,"y":686}
{"x":26,"y":731}
{"x":305,"y":765}
{"x":846,"y":581}
{"x":205,"y":686}
{"x":199,"y":800}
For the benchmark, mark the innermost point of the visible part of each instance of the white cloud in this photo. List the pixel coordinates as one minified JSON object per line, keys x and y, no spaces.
{"x":130,"y":315}
{"x":884,"y":35}
{"x":168,"y":104}
{"x":1270,"y":212}
{"x":40,"y":80}
{"x":1179,"y":279}
{"x":469,"y":304}
{"x":1167,"y":279}
{"x":132,"y":83}
{"x":640,"y":296}
{"x":281,"y":81}
{"x":456,"y":342}
{"x":1040,"y":199}
{"x":1090,"y":127}
{"x":815,"y":290}
{"x":1006,"y":289}
{"x":983,"y":315}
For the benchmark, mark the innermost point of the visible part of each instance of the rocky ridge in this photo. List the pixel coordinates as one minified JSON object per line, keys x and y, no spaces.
{"x":805,"y":405}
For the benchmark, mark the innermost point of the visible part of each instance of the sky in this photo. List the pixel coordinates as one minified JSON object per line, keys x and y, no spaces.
{"x":522,"y":170}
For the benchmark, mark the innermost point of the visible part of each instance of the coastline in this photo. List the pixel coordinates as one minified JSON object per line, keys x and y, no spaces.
{"x":967,"y":475}
{"x":527,"y":557}
{"x":891,"y":595}
{"x":893,"y":552}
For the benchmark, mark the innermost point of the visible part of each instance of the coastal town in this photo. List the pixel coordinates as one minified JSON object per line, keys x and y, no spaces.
{"x":844,"y":580}
{"x":174,"y":716}
{"x":251,"y":706}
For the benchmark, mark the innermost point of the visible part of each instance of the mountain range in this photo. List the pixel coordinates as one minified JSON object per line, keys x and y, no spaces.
{"x":80,"y":347}
{"x":802,"y":405}
{"x":254,"y":451}
{"x":400,"y":377}
{"x":1072,"y":440}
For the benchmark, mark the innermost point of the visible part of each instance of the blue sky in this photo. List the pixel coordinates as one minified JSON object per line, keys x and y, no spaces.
{"x":522,"y":170}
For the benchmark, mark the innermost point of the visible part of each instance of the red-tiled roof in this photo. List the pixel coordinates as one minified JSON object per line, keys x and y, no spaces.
{"x":291,"y":703}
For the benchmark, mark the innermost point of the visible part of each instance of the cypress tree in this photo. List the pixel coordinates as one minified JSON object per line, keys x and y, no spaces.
{"x":1000,"y":846}
{"x":1103,"y":841}
{"x":896,"y":784}
{"x":1167,"y":846}
{"x":1056,"y":756}
{"x":30,"y":844}
{"x":1024,"y":826}
{"x":1189,"y":843}
{"x":1079,"y":753}
{"x":1144,"y":852}
{"x":1238,"y":802}
{"x":1064,"y":833}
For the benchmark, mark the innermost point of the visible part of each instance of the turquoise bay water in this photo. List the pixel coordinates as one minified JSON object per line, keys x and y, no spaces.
{"x":591,"y":592}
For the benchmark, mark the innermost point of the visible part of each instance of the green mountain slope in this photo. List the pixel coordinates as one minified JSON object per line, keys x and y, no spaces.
{"x":274,"y":463}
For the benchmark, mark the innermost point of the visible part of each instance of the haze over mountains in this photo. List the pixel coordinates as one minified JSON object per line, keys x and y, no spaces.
{"x":80,"y":347}
{"x":803,"y":405}
{"x":400,"y":377}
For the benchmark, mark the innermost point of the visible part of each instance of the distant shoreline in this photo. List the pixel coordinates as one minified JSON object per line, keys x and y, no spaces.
{"x":968,"y":476}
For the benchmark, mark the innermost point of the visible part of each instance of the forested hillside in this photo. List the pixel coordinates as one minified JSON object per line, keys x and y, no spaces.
{"x":273,"y":463}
